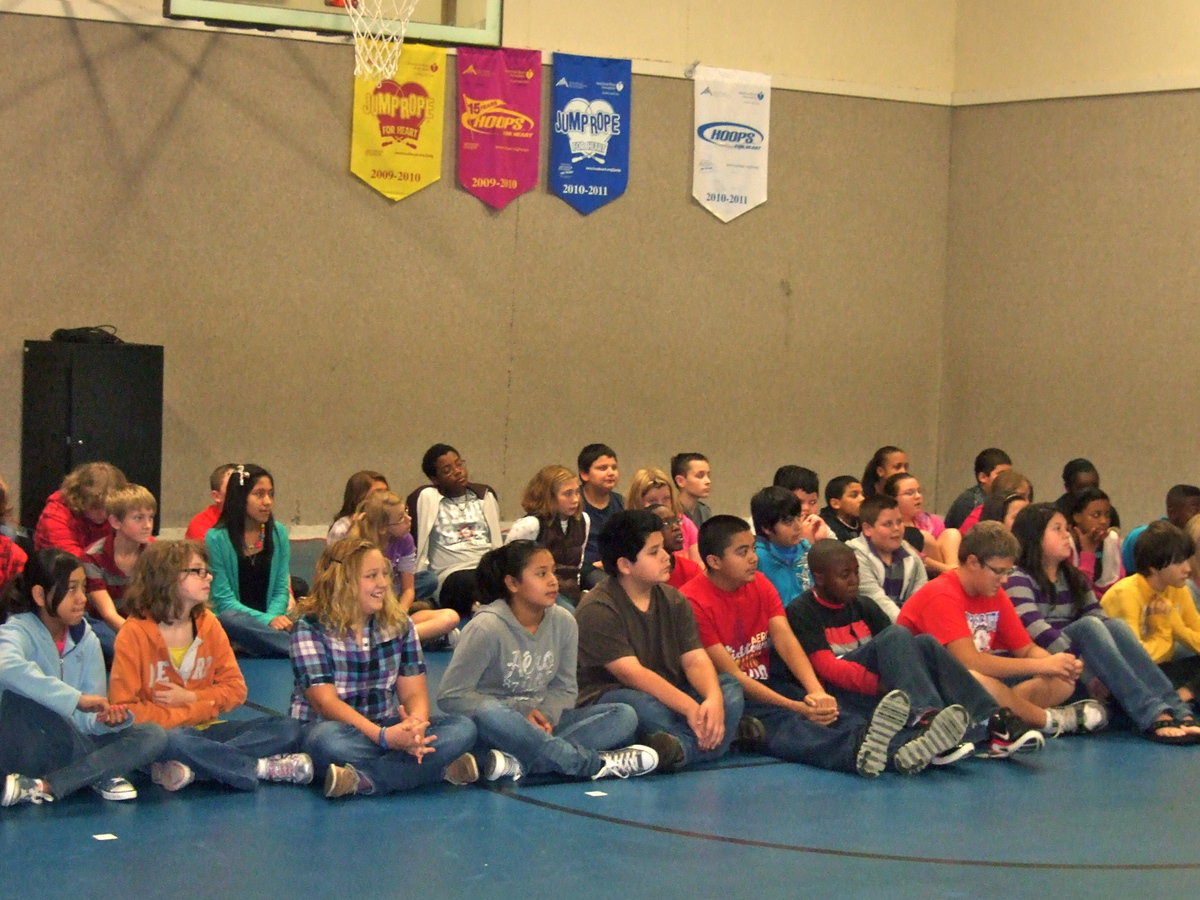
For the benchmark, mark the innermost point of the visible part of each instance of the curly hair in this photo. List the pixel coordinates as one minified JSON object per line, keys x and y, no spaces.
{"x":153,"y":591}
{"x":334,"y":600}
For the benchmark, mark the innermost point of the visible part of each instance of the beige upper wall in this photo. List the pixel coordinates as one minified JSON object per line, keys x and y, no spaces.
{"x":1034,"y":49}
{"x":945,"y":52}
{"x":889,"y":49}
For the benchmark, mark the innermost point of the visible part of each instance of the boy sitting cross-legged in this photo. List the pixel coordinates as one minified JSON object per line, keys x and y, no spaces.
{"x":968,"y":612}
{"x":889,"y":568}
{"x":858,"y":652}
{"x":741,"y":620}
{"x":638,"y":645}
{"x":683,"y":567}
{"x":598,"y":476}
{"x":109,"y":562}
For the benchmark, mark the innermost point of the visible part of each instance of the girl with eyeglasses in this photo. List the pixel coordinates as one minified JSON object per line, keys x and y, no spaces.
{"x":173,"y":666}
{"x":383,"y":519}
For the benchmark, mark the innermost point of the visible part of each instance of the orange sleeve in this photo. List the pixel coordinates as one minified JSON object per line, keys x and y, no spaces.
{"x":129,"y":685}
{"x":227,"y":686}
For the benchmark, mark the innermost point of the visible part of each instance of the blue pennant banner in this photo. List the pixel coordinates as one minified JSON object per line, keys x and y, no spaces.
{"x":589,"y":153}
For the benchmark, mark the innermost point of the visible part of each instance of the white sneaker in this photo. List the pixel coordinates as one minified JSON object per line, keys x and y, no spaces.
{"x":1081,"y":716}
{"x":497,"y":764}
{"x":20,"y":789}
{"x":172,"y":775}
{"x":627,"y":762}
{"x":294,"y":768}
{"x":115,"y":789}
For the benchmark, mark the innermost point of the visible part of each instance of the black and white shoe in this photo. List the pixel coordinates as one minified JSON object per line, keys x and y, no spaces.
{"x":936,"y":735}
{"x":890,"y":715}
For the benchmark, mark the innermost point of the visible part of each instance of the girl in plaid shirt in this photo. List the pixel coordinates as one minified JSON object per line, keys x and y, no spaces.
{"x":360,"y":684}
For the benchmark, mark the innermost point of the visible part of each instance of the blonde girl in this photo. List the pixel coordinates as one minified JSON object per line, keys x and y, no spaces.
{"x":383,"y":519}
{"x":651,"y":487}
{"x":360,"y":685}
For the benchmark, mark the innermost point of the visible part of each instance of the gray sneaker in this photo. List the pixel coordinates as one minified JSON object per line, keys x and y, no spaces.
{"x":294,"y":768}
{"x":627,"y":762}
{"x":19,"y":789}
{"x":115,"y":789}
{"x":498,"y":764}
{"x":942,"y":733}
{"x":890,"y":715}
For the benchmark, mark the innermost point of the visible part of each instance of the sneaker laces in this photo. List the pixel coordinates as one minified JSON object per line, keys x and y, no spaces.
{"x":621,"y":763}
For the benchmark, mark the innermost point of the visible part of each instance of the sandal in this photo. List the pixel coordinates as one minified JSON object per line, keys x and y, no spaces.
{"x":1154,"y":732}
{"x":1189,"y":723}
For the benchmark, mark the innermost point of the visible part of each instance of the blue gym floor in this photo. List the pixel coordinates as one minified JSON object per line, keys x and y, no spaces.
{"x":1104,"y":815}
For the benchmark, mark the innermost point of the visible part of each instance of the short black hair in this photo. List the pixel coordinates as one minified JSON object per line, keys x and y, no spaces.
{"x":432,"y":455}
{"x":624,"y":536}
{"x":1180,"y":494}
{"x":869,"y":512}
{"x":1162,"y":544}
{"x":718,"y":532}
{"x":1075,"y":468}
{"x":987,"y":460}
{"x":1074,"y":504}
{"x":797,"y":478}
{"x":770,"y":506}
{"x":826,"y":552}
{"x":592,"y":452}
{"x":835,"y":488}
{"x":681,"y":462}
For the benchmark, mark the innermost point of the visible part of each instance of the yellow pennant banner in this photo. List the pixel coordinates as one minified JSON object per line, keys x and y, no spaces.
{"x":396,"y":142}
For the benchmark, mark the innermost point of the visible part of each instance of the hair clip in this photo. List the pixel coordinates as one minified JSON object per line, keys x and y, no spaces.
{"x":241,"y":474}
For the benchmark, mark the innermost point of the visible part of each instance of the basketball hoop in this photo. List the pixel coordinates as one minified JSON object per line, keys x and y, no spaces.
{"x":379,"y":27}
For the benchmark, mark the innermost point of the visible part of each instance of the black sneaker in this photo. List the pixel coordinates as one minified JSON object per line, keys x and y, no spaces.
{"x":890,"y":715}
{"x":1008,"y":736}
{"x":936,"y":734}
{"x":751,"y":735}
{"x":669,"y":750}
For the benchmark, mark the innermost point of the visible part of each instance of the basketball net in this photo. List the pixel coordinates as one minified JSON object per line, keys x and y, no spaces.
{"x":379,"y":27}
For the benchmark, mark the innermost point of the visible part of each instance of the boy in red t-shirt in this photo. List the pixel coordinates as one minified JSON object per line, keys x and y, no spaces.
{"x":740,"y":620}
{"x":208,"y":517}
{"x":968,"y":612}
{"x":683,"y":567}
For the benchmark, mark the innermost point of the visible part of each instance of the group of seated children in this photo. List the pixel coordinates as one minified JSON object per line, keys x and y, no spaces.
{"x":599,"y":638}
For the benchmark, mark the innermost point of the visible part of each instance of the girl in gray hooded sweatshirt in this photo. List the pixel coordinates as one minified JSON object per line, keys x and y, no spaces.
{"x":513,"y":673}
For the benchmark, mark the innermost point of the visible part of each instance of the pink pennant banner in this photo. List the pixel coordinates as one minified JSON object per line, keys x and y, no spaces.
{"x":499,"y":122}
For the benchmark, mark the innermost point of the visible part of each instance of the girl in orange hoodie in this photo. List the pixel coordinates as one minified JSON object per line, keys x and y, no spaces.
{"x":173,"y":666}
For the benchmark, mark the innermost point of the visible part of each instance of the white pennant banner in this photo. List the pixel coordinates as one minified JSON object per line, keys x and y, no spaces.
{"x":733,"y":120}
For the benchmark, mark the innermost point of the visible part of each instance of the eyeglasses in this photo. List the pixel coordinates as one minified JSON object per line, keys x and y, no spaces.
{"x":999,"y":572}
{"x":199,"y":572}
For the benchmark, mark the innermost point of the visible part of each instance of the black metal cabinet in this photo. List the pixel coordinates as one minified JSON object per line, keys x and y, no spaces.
{"x":88,"y":402}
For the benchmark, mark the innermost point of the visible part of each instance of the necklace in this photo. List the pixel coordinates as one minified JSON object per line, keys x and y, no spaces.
{"x":258,"y":544}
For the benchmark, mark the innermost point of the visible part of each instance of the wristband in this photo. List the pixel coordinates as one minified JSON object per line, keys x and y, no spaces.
{"x":383,"y":736}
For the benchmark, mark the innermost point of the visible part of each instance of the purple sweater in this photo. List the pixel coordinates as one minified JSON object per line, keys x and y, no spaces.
{"x":1044,"y":618}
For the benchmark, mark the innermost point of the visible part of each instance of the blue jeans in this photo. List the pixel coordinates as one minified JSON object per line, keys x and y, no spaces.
{"x":793,"y":738}
{"x":571,"y":750}
{"x":654,"y":715}
{"x":1113,"y":653}
{"x":425,"y":583}
{"x":927,"y":672}
{"x":228,"y":752}
{"x":252,"y":635}
{"x":336,"y":743}
{"x":38,"y":742}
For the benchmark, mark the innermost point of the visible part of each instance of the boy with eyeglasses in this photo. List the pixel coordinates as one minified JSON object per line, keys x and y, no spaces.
{"x":968,"y":612}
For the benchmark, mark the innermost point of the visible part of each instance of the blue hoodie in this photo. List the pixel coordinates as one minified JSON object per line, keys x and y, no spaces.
{"x":30,"y":666}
